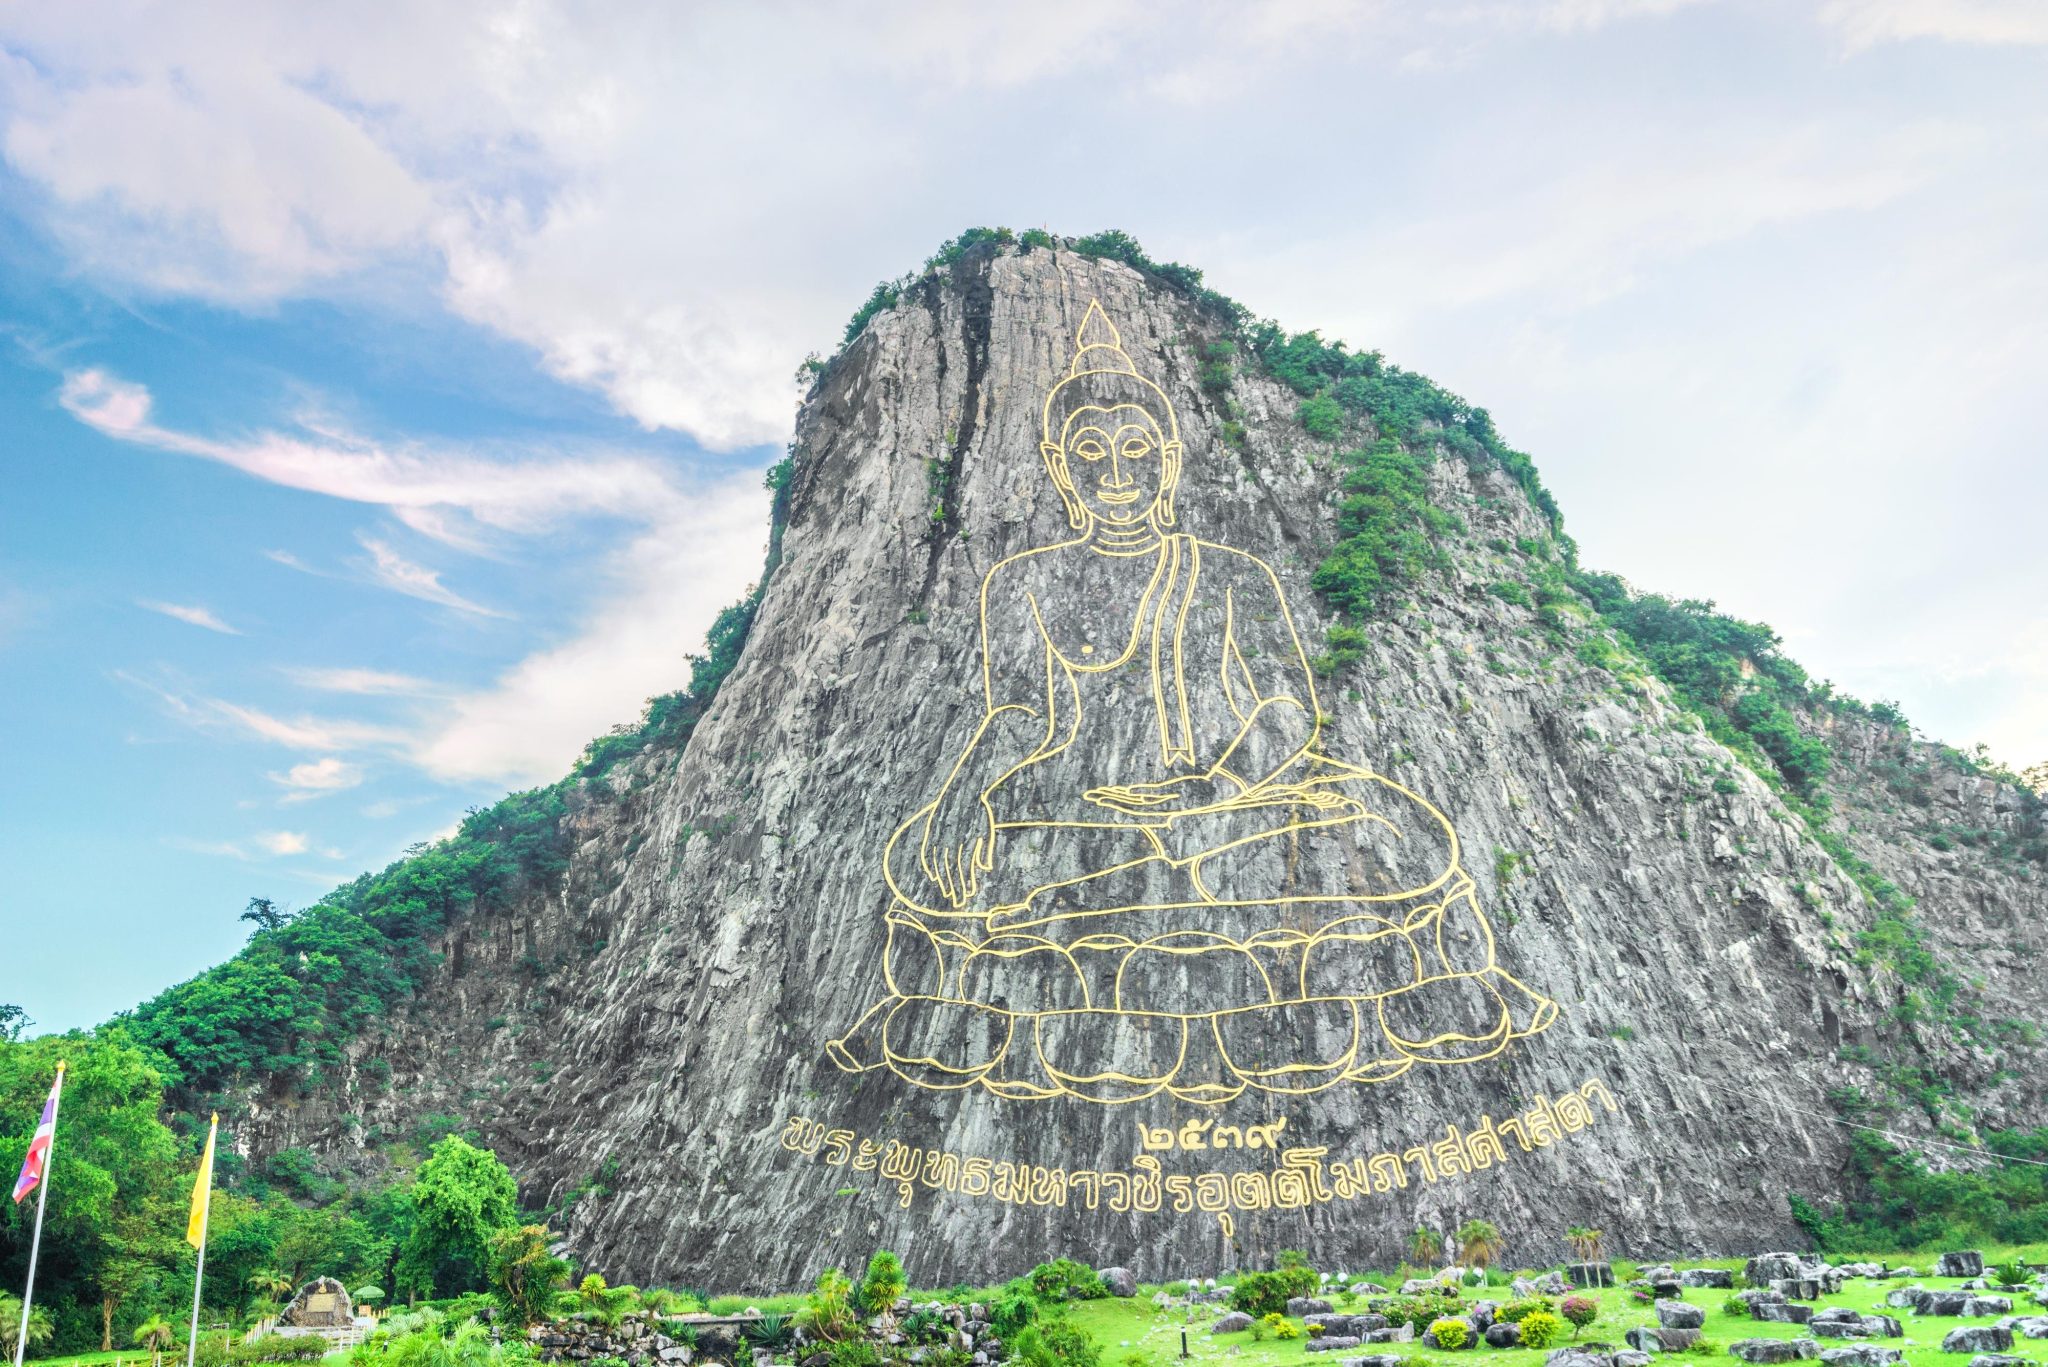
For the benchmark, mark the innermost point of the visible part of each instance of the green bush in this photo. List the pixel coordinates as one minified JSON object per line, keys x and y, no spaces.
{"x":1450,"y":1333}
{"x":1013,"y":1308}
{"x":884,"y":1282}
{"x":828,"y":1310}
{"x":281,"y":1348}
{"x":1514,"y":1312}
{"x":1542,"y":1330}
{"x":1267,"y":1293}
{"x":1279,"y":1326}
{"x":1386,"y":529}
{"x":1053,"y":1344}
{"x":1899,"y":1203}
{"x":1346,"y":646}
{"x":1064,"y":1279}
{"x":1419,"y":1311}
{"x":1322,"y":417}
{"x":856,"y":1352}
{"x":1735,"y":1305}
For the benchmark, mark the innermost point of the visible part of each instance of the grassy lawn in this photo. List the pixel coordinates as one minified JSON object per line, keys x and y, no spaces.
{"x":1134,"y":1333}
{"x":135,"y":1357}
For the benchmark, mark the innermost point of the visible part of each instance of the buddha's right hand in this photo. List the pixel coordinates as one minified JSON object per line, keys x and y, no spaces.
{"x":959,"y":845}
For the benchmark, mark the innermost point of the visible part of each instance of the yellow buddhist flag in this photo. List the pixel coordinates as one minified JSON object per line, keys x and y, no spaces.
{"x":202,"y":1191}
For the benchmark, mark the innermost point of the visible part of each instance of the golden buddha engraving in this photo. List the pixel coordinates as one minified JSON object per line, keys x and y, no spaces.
{"x":1141,"y":874}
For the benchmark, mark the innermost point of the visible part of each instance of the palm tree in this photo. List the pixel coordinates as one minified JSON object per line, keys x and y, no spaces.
{"x":271,"y":1287}
{"x":1479,"y":1243}
{"x":156,"y":1334}
{"x":1585,"y":1243}
{"x":39,"y":1329}
{"x":1425,"y":1246}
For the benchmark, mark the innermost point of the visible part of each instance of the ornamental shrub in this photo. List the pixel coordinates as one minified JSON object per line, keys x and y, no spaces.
{"x":1279,"y":1326}
{"x":1450,"y":1333}
{"x":1542,"y":1329}
{"x":1735,"y":1305}
{"x":884,"y":1282}
{"x":1514,"y":1312}
{"x":1580,"y":1310}
{"x":1419,"y":1311}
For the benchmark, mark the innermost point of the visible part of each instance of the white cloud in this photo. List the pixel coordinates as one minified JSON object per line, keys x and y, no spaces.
{"x":265,"y":844}
{"x":661,"y":594}
{"x":1867,"y":23}
{"x":695,"y":552}
{"x":594,"y":191}
{"x":393,"y":571}
{"x":191,"y":615}
{"x":366,"y":681}
{"x":296,"y":733}
{"x":303,"y":732}
{"x":224,"y":849}
{"x":317,"y":778}
{"x":1571,"y":236}
{"x":519,"y":496}
{"x":671,"y":207}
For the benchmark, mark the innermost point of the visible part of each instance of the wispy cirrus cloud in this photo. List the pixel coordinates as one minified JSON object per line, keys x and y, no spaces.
{"x":691,"y":548}
{"x":393,"y":571}
{"x":360,"y":681}
{"x":317,"y":734}
{"x":515,"y":496}
{"x":189,"y":614}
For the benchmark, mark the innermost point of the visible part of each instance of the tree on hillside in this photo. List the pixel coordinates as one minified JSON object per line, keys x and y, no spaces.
{"x":525,"y":1277}
{"x":463,"y":1196}
{"x":14,"y":1022}
{"x":265,"y":914}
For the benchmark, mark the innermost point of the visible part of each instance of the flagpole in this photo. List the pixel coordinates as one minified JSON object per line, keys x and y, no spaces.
{"x":28,"y":1293}
{"x":199,"y":1271}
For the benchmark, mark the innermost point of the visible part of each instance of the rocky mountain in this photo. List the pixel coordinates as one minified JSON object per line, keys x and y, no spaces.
{"x":1163,"y":812}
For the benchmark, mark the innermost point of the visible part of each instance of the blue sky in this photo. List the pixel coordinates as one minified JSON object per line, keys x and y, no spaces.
{"x":383,"y":396}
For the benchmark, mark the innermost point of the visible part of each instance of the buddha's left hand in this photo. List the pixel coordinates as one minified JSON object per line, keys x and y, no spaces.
{"x":1172,"y":797}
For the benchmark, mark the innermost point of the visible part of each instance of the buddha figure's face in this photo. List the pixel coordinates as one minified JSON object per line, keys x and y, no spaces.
{"x":1119,"y":461}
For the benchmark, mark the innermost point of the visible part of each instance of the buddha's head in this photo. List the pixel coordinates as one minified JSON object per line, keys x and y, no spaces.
{"x":1111,"y":442}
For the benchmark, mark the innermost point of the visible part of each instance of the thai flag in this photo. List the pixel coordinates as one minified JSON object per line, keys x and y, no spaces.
{"x":37,"y":1163}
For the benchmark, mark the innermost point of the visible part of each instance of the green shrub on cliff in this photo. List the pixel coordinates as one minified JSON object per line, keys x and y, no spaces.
{"x":1386,"y":529}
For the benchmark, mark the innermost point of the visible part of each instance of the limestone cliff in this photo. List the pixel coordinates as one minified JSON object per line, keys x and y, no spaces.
{"x":646,"y":1033}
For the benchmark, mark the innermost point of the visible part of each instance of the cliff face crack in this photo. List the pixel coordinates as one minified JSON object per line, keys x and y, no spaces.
{"x":977,"y":311}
